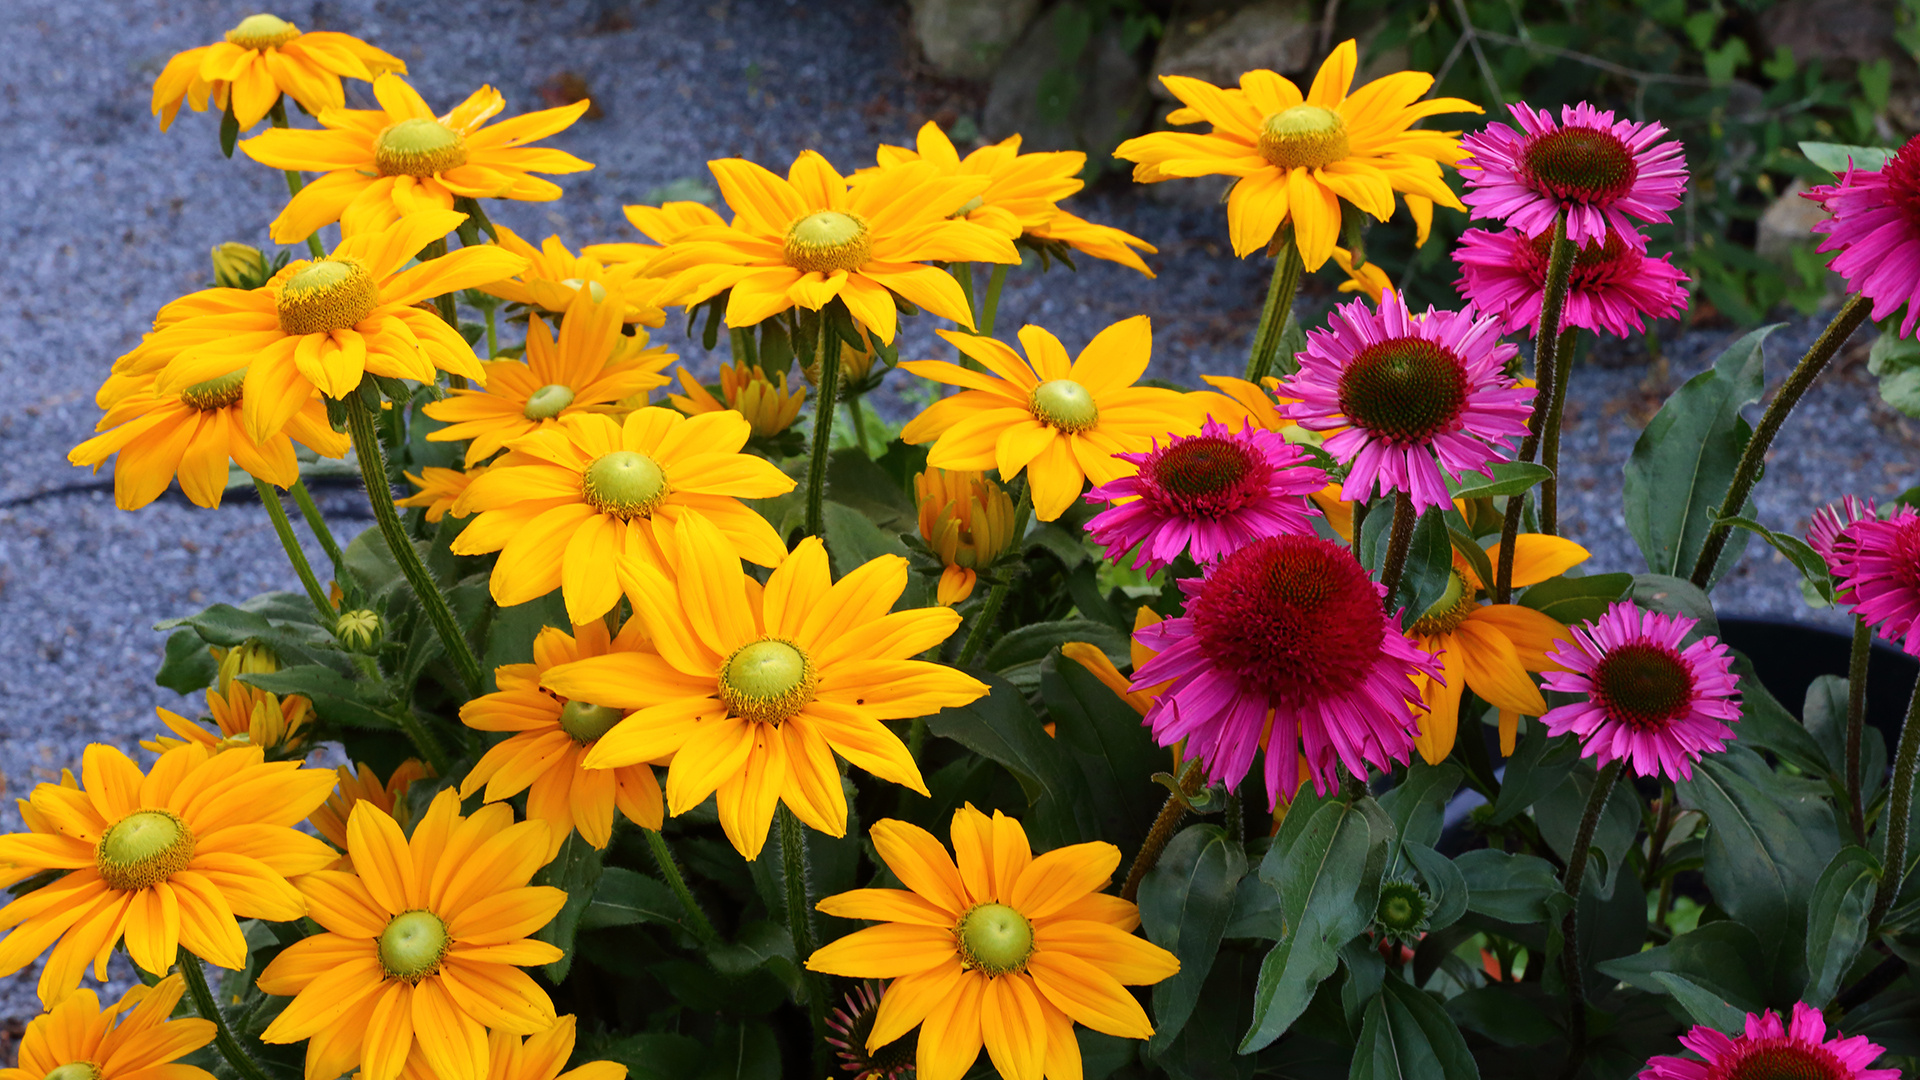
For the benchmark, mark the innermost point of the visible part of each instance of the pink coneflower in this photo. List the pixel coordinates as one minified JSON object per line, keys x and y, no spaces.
{"x":1876,"y":229}
{"x":1598,"y":170}
{"x":1613,"y":286}
{"x":1207,"y":494}
{"x":848,"y":1027}
{"x":1827,"y":532}
{"x":1769,"y":1048}
{"x":1650,"y":701}
{"x":1283,"y":645}
{"x":1408,"y":389}
{"x":1876,"y":566}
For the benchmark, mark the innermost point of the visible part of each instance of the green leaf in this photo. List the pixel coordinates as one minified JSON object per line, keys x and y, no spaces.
{"x":759,"y":944}
{"x":1676,"y":596}
{"x":1509,"y":478}
{"x":229,"y":129}
{"x":1684,"y":460}
{"x":1837,"y":921}
{"x":1765,"y":724}
{"x":1002,"y":728}
{"x":1722,"y":958}
{"x":1031,"y":643}
{"x":1895,"y":360}
{"x":1560,"y":809}
{"x":189,"y":664}
{"x":1416,"y":803}
{"x":853,"y":540}
{"x":622,"y":897}
{"x":1407,"y":1035}
{"x":1576,"y":599}
{"x":511,"y":631}
{"x":1702,"y":1004}
{"x":859,"y":484}
{"x":1811,"y":564}
{"x":576,"y":869}
{"x":294,"y":642}
{"x":1538,"y":764}
{"x":1114,"y":750}
{"x":1185,"y":902}
{"x":656,"y":1056}
{"x":1825,"y":713}
{"x":1508,"y":887}
{"x":1446,"y":886}
{"x":336,"y":698}
{"x":1429,"y":565}
{"x":1836,"y":158}
{"x":1503,"y":1015}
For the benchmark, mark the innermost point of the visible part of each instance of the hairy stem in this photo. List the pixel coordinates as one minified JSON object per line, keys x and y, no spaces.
{"x":203,"y":1003}
{"x":304,"y":500}
{"x":1570,"y":926}
{"x":670,"y":869}
{"x":1546,"y":343}
{"x":283,"y":528}
{"x":1550,"y":437}
{"x":1161,"y":833}
{"x":823,"y":410}
{"x":1398,"y":540}
{"x":990,"y":308}
{"x":1857,"y":659}
{"x":1281,"y":288}
{"x":1899,"y":808}
{"x":793,"y":857}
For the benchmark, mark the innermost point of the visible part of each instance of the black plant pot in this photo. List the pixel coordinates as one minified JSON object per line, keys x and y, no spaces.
{"x":1788,"y":656}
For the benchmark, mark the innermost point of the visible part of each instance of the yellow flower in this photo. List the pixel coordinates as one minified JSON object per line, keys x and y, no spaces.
{"x":808,"y":238}
{"x":550,"y":737}
{"x":250,"y":657}
{"x":588,"y":370}
{"x":132,"y":1039}
{"x":194,"y":431}
{"x":439,"y":489}
{"x":566,"y":501}
{"x":165,"y":860}
{"x":1021,"y":192}
{"x":1295,"y":158}
{"x":755,"y":689}
{"x":1368,"y":278}
{"x":997,"y":946}
{"x":540,"y":1057}
{"x":423,"y":946}
{"x":664,"y":224}
{"x":556,"y":274}
{"x":1060,"y":422}
{"x":262,"y":58}
{"x":239,"y":266}
{"x":1489,"y":648}
{"x":325,"y":323}
{"x":770,"y":408}
{"x":244,"y":716}
{"x":1095,"y":660}
{"x":382,"y":164}
{"x":11,"y":873}
{"x":967,"y":520}
{"x":363,"y":785}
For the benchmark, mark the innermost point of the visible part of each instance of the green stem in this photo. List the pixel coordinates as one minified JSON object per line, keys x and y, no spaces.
{"x":1281,"y":288}
{"x":1550,"y":438}
{"x":283,"y":528}
{"x":1570,"y":926}
{"x":1899,"y":808}
{"x":373,"y":470}
{"x":493,"y":341}
{"x":989,"y":616}
{"x":859,"y":416}
{"x":203,"y":1003}
{"x":824,"y":406}
{"x":1359,"y":521}
{"x":670,"y":869}
{"x":793,"y":857}
{"x":278,"y":116}
{"x":423,"y":740}
{"x":1171,"y":811}
{"x":304,"y":500}
{"x":1856,"y":720}
{"x":1398,"y":541}
{"x":991,"y":307}
{"x":1753,"y":458}
{"x":962,"y":272}
{"x":1546,"y":343}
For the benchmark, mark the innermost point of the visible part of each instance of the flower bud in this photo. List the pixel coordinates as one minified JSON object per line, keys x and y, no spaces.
{"x":239,"y":266}
{"x":359,"y":630}
{"x":767,"y":404}
{"x":248,"y":658}
{"x":967,"y":520}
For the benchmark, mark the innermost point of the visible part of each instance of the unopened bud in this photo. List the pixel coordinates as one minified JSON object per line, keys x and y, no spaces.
{"x":238,"y":266}
{"x":359,"y":630}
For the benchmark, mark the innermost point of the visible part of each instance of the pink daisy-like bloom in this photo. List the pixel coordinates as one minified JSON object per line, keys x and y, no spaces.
{"x":1827,"y":532}
{"x":1650,"y":700}
{"x":1413,"y":394}
{"x":1876,"y":229}
{"x":1284,"y":645}
{"x":1599,"y":171}
{"x":1612,"y":289}
{"x":1769,"y":1048}
{"x":1876,"y":568}
{"x":1209,"y":494}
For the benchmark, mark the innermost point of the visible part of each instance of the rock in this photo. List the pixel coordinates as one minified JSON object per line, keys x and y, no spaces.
{"x":1856,"y":30}
{"x":1279,"y":35}
{"x":1091,"y":103}
{"x":968,"y":37}
{"x":1787,"y":222}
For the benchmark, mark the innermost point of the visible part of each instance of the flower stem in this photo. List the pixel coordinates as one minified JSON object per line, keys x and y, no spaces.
{"x":989,"y":616}
{"x":859,"y":416}
{"x":669,"y":869}
{"x":291,"y":543}
{"x":793,"y":857}
{"x":203,"y":1003}
{"x":373,"y":470}
{"x":1161,"y":833}
{"x":278,"y":116}
{"x":1546,"y":343}
{"x":990,"y":308}
{"x":1856,"y":720}
{"x":1899,"y":808}
{"x":1574,"y":879}
{"x":1273,"y":315}
{"x":1398,"y":541}
{"x":824,"y":407}
{"x":304,"y":500}
{"x":1550,"y":437}
{"x":493,"y":340}
{"x":1753,"y":459}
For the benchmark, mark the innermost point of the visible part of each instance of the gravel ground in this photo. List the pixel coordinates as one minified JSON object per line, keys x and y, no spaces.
{"x":106,"y":219}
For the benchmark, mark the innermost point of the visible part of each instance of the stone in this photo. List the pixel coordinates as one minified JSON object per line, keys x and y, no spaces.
{"x":1787,"y":222}
{"x":1090,"y":103}
{"x":1219,"y":46}
{"x":967,"y":38}
{"x":1854,"y":30}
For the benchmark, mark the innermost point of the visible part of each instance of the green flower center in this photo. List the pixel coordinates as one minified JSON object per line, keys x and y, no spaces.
{"x":586,"y":721}
{"x":547,"y":402}
{"x":420,"y":147}
{"x":625,"y":484}
{"x":829,"y":240}
{"x":262,"y":32}
{"x":1579,"y":164}
{"x":326,"y":295}
{"x":217,"y":392}
{"x":78,"y":1070}
{"x":1767,"y":1059}
{"x":1305,"y":136}
{"x":969,"y":206}
{"x":412,"y":945}
{"x":594,"y":289}
{"x":995,"y":938}
{"x":1064,"y":404}
{"x":767,"y":681}
{"x":1642,"y":685}
{"x":1448,"y":612}
{"x":143,"y":849}
{"x":1404,"y":390}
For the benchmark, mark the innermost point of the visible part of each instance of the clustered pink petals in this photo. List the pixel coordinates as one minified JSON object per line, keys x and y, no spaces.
{"x":1769,"y":1047}
{"x":1876,"y":569}
{"x":1875,"y":226}
{"x":1612,"y":288}
{"x":1283,"y":644}
{"x":1650,"y":700}
{"x":1411,"y":395}
{"x":1827,"y":532}
{"x":1207,"y":494}
{"x":1599,"y":171}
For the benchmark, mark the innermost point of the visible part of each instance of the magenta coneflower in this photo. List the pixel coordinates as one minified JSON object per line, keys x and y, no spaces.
{"x":1876,"y":229}
{"x":850,"y":1024}
{"x":1827,"y":532}
{"x":1283,"y":645}
{"x":1598,"y":170}
{"x":1876,"y":567}
{"x":1207,"y":494}
{"x":1613,"y":286}
{"x":1769,"y":1048}
{"x":1650,"y":701}
{"x":1408,"y":389}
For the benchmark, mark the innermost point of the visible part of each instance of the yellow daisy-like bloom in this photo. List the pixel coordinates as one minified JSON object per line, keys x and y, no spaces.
{"x":1021,"y":192}
{"x":552,"y":735}
{"x":263,"y":57}
{"x":132,"y":1039}
{"x":995,"y":945}
{"x":1489,"y":648}
{"x":1295,"y":158}
{"x":323,"y":324}
{"x":664,"y":224}
{"x":967,"y":520}
{"x":35,"y":821}
{"x":556,"y":274}
{"x":194,"y":432}
{"x":1062,"y":422}
{"x":540,"y":1057}
{"x":589,"y":369}
{"x":1095,"y":660}
{"x":755,"y":689}
{"x":243,"y":716}
{"x":770,"y":408}
{"x":568,"y":500}
{"x":807,"y":238}
{"x":439,"y":489}
{"x":382,"y":164}
{"x":363,"y":785}
{"x":423,"y":946}
{"x":1367,"y":278}
{"x":165,"y":860}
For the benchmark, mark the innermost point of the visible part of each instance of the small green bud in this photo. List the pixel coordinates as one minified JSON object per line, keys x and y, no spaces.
{"x":238,"y":266}
{"x":359,"y":631}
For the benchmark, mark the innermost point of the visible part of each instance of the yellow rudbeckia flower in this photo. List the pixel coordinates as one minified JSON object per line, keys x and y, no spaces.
{"x":362,"y":785}
{"x":439,"y":489}
{"x":242,"y":716}
{"x":263,"y":57}
{"x":965,"y":519}
{"x":555,"y":274}
{"x":664,"y":224}
{"x":132,"y":1039}
{"x":767,"y":403}
{"x":540,"y":1057}
{"x":1095,"y":660}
